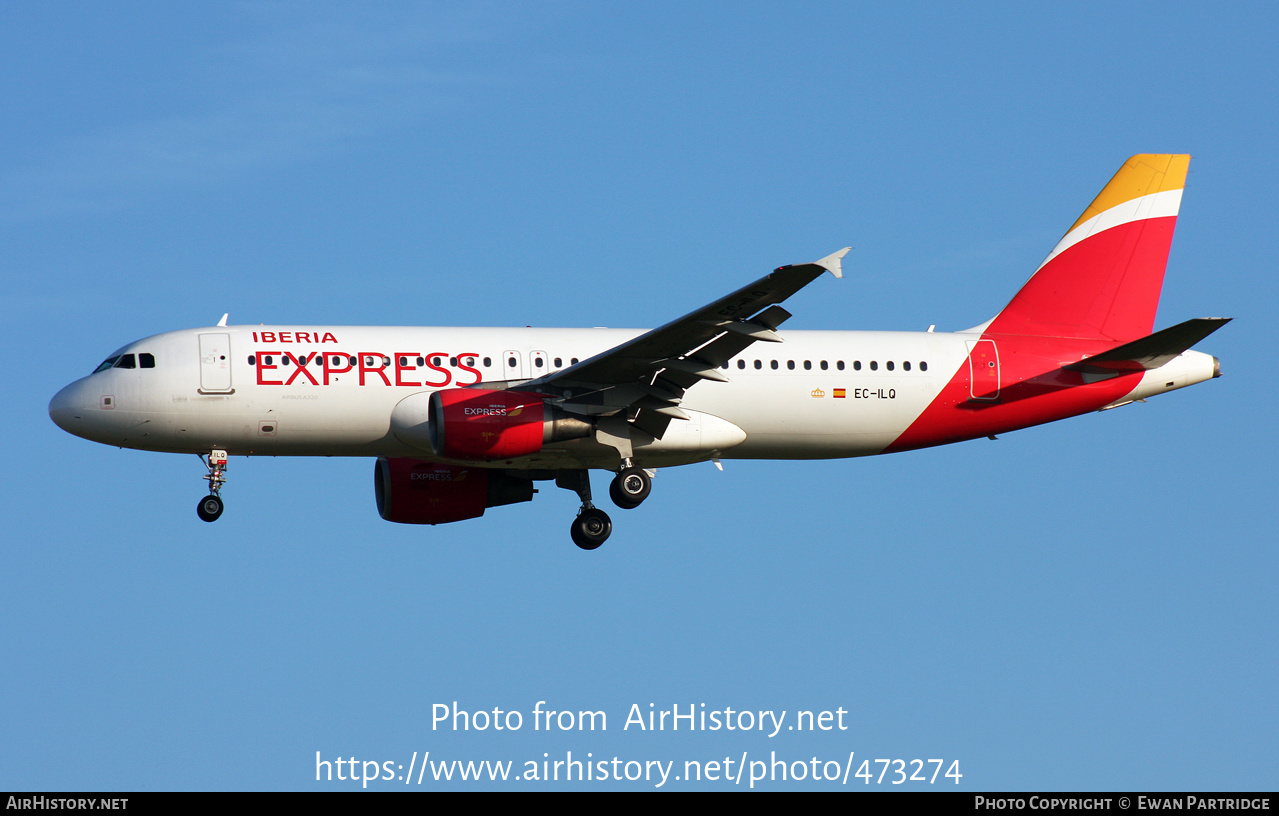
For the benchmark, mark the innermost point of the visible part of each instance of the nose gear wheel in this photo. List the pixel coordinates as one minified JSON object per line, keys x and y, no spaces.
{"x":211,"y":506}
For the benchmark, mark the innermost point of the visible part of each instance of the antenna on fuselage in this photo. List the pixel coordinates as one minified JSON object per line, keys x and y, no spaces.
{"x":222,"y":322}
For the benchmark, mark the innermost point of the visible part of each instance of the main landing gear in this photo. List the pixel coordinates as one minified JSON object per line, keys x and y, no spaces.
{"x":630,"y":486}
{"x":592,"y":527}
{"x":210,"y":507}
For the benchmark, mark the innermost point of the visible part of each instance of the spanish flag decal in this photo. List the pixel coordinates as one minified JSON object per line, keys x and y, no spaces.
{"x":839,"y":393}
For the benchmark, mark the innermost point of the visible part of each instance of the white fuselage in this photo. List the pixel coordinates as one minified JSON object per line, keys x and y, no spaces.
{"x":820,"y":394}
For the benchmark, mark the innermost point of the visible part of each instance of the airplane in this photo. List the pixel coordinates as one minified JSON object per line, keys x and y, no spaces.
{"x":464,"y":419}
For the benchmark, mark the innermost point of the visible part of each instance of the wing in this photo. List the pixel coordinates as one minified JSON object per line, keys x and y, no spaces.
{"x":645,"y":378}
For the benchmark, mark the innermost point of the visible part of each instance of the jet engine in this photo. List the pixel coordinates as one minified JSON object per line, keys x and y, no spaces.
{"x":410,"y":491}
{"x":483,"y":425}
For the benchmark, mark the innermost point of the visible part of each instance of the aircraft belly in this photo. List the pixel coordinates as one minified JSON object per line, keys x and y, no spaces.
{"x":251,"y":422}
{"x":813,"y":418}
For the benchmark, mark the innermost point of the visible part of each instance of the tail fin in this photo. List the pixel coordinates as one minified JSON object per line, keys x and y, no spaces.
{"x":1103,"y":279}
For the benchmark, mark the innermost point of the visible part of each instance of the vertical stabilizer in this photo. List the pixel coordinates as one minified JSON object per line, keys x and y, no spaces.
{"x":1103,"y":279}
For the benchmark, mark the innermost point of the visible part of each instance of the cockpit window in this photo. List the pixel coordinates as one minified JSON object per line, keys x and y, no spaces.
{"x":140,"y":360}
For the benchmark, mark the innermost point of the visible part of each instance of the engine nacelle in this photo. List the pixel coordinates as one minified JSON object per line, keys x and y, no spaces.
{"x":485,"y":425}
{"x":410,"y":491}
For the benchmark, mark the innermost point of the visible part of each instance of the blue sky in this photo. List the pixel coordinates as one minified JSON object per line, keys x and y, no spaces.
{"x":1086,"y":605}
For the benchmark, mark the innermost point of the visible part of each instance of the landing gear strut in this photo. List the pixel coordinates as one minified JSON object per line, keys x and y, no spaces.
{"x":592,"y":526}
{"x":210,"y":507}
{"x":630,"y":487}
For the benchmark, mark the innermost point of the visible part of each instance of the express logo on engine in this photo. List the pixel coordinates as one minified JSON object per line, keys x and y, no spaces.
{"x":437,"y":476}
{"x":492,"y":410}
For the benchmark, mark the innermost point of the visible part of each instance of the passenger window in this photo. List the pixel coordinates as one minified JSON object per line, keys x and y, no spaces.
{"x":874,"y":366}
{"x":923,"y":366}
{"x":488,"y":361}
{"x":774,"y":365}
{"x":889,"y":364}
{"x":840,"y":365}
{"x":906,"y":365}
{"x":857,"y":365}
{"x":824,"y":365}
{"x":453,"y":362}
{"x":573,"y":361}
{"x":511,"y":362}
{"x":558,"y":362}
{"x":808,"y":365}
{"x":537,"y":362}
{"x":146,"y":360}
{"x":790,"y":364}
{"x":253,"y":360}
{"x":758,"y":365}
{"x":741,"y":364}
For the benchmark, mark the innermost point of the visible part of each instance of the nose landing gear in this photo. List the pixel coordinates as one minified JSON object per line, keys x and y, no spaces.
{"x":210,"y":507}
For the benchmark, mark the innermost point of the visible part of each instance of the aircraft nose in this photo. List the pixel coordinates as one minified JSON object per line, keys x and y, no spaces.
{"x":66,"y":409}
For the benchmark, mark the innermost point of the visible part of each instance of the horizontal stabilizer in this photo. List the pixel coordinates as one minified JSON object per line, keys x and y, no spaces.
{"x":1154,"y":350}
